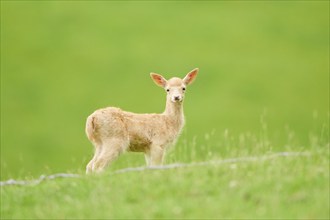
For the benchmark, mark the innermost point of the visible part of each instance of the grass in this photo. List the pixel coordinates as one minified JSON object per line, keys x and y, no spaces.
{"x":263,"y":87}
{"x":281,"y":188}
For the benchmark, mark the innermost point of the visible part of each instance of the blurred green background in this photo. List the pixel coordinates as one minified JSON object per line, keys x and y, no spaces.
{"x":261,"y":63}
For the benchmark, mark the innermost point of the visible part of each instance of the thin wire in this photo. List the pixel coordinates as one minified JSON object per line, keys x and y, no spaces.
{"x":164,"y":167}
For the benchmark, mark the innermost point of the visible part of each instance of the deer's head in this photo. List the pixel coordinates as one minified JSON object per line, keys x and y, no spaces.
{"x":175,"y":87}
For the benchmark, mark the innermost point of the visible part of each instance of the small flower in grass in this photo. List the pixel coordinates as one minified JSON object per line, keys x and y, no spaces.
{"x":233,"y":184}
{"x":233,"y":166}
{"x":177,"y":210}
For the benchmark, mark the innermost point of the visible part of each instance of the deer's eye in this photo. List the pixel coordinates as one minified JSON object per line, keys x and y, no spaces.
{"x":167,"y":90}
{"x":183,"y":88}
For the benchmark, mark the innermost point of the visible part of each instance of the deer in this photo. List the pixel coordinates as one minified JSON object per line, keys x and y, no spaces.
{"x":113,"y":131}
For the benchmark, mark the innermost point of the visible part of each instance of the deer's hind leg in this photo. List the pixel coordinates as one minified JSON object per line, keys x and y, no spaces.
{"x":111,"y":149}
{"x":90,"y":165}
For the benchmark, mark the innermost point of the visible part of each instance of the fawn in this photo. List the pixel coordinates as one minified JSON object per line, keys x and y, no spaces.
{"x":113,"y":131}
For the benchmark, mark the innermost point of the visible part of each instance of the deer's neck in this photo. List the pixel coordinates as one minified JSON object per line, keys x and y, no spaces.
{"x":174,"y":110}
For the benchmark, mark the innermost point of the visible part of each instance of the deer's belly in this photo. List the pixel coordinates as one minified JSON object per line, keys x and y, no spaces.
{"x":138,"y":144}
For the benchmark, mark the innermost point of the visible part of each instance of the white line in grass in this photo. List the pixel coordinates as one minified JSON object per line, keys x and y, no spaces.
{"x":164,"y":167}
{"x":39,"y":180}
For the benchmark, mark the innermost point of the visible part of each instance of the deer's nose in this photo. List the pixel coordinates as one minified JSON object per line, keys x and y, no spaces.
{"x":176,"y":98}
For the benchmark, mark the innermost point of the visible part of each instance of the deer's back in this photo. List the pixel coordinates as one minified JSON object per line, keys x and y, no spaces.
{"x":142,"y":130}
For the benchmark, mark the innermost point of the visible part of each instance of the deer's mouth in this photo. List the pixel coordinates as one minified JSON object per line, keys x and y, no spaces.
{"x":176,"y":99}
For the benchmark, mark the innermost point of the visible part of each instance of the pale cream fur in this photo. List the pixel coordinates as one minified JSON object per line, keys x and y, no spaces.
{"x":114,"y":131}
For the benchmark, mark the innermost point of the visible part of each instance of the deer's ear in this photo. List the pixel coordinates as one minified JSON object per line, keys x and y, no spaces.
{"x":190,"y":77}
{"x":158,"y":79}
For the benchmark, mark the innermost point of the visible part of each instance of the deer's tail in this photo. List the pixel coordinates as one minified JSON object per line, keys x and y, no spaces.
{"x":90,"y":127}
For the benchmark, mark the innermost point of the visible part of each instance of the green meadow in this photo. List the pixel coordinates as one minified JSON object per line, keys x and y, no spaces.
{"x":263,"y":88}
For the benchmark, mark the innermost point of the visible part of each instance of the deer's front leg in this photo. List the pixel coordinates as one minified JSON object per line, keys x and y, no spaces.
{"x":155,"y":156}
